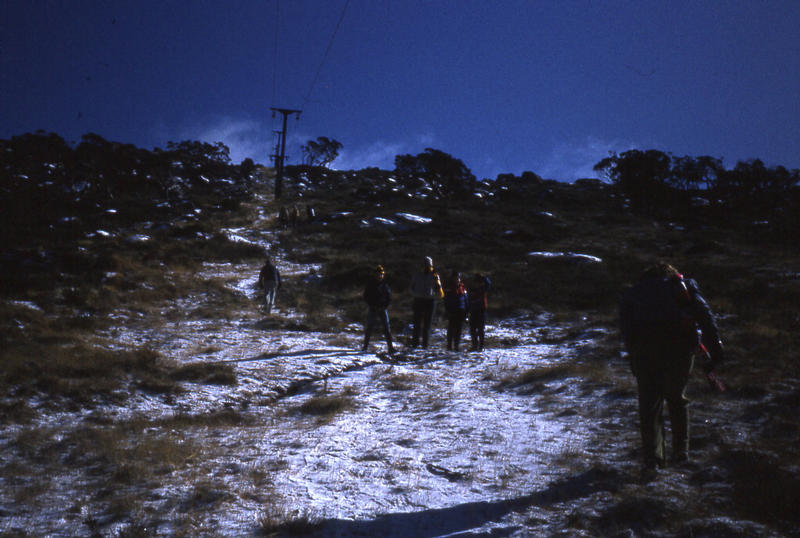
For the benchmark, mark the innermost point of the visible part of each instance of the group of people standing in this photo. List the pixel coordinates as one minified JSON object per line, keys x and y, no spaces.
{"x":664,"y":322}
{"x":462,"y":301}
{"x":290,"y":218}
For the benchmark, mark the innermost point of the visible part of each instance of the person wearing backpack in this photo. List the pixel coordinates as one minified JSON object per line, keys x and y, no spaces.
{"x":659,"y":320}
{"x":378,"y":297}
{"x":455,"y":304}
{"x":269,"y":282}
{"x":426,"y":287}
{"x":478,"y":293}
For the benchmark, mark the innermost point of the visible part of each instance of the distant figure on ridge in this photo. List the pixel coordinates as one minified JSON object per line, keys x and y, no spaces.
{"x":378,"y":297}
{"x":283,"y":217}
{"x":426,"y":287}
{"x":659,"y":318}
{"x":455,"y":304}
{"x":478,"y":292}
{"x":269,"y":281}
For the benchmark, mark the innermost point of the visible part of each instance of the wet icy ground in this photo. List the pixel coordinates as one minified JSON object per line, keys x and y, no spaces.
{"x":435,"y":443}
{"x":427,"y":430}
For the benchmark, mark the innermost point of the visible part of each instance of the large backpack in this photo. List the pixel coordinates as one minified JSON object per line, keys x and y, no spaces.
{"x":659,"y":305}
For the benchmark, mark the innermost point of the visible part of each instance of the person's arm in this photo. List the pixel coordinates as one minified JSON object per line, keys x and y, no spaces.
{"x":705,"y":318}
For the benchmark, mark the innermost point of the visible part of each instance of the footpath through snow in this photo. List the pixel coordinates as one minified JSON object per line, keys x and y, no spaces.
{"x":427,"y":443}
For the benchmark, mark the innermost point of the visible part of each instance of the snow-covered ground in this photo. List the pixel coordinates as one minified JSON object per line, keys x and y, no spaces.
{"x":426,"y":431}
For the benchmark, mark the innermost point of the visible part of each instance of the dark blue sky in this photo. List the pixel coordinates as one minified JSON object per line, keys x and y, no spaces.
{"x":504,"y":85}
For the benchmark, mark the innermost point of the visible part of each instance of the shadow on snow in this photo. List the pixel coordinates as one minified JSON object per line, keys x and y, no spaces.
{"x":465,"y":517}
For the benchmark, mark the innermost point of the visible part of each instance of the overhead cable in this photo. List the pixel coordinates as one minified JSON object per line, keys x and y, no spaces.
{"x":325,"y":56}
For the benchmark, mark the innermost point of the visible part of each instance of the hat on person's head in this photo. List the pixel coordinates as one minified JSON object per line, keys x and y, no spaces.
{"x":379,"y":269}
{"x":428,"y":261}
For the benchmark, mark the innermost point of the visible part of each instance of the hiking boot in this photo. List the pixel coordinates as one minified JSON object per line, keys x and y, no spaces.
{"x":679,"y":458}
{"x":648,"y":474}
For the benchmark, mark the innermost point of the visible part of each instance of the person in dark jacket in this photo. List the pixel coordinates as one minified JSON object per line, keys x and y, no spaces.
{"x":378,"y":297}
{"x":426,"y":288}
{"x":269,"y":282}
{"x":659,"y":320}
{"x":455,"y":305}
{"x":478,"y":292}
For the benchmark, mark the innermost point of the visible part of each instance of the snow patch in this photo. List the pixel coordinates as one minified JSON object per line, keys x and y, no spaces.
{"x":569,"y":255}
{"x":413,"y":218}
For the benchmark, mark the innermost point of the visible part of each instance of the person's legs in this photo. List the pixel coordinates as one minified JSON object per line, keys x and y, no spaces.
{"x":427,"y":314}
{"x":451,"y":331}
{"x":384,"y":316}
{"x":651,"y":404}
{"x":480,"y":323}
{"x":676,"y":379}
{"x":368,"y":329}
{"x":269,"y":295}
{"x":418,"y":317}
{"x":458,"y":326}
{"x":473,"y":331}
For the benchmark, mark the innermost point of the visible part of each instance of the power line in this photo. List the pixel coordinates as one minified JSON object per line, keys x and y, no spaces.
{"x":275,"y":52}
{"x":325,"y":56}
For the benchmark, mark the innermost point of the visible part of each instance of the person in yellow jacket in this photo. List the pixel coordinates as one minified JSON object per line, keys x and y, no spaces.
{"x":426,"y":288}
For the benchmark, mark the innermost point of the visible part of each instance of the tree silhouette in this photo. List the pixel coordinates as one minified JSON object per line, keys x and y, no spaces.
{"x":447,"y":176}
{"x":321,"y":152}
{"x":692,"y":173}
{"x":642,"y":175}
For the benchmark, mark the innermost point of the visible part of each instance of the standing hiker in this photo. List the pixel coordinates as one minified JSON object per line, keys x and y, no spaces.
{"x":426,"y":287}
{"x":269,"y":281}
{"x":659,"y":319}
{"x":478,"y":293}
{"x":455,"y":304}
{"x":283,"y":218}
{"x":378,"y":296}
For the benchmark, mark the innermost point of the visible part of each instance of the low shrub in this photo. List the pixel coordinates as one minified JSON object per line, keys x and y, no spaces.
{"x":327,"y":406}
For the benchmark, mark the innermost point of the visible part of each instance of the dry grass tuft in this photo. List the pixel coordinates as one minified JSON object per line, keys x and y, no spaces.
{"x":327,"y":406}
{"x":402,"y":381}
{"x":281,"y":521}
{"x":210,"y":373}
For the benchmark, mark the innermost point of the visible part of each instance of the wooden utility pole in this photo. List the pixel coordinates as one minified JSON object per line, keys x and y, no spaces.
{"x":281,"y":148}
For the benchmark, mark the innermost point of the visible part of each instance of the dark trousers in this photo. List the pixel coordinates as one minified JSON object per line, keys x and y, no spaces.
{"x":477,"y":328}
{"x":374,"y":316}
{"x":455,"y":324}
{"x":423,"y":314}
{"x":662,"y":371}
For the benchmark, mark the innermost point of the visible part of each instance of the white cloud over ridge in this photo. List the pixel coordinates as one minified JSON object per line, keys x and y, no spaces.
{"x":569,"y":161}
{"x":380,"y":154}
{"x":245,"y":138}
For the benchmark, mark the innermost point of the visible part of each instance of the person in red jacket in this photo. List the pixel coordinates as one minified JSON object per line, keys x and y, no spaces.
{"x":455,"y":304}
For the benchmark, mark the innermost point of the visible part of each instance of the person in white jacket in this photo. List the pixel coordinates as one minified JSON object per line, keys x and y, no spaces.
{"x":426,"y":288}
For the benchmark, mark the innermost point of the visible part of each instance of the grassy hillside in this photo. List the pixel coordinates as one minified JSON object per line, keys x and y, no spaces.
{"x":553,"y":251}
